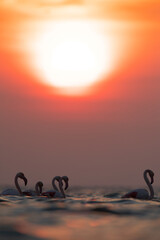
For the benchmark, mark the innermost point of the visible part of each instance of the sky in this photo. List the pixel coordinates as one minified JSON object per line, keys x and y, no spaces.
{"x":106,"y":133}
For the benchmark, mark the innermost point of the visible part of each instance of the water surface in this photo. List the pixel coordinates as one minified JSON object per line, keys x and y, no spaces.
{"x":85,"y":214}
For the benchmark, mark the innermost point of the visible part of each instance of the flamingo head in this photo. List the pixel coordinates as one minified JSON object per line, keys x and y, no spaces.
{"x":59,"y":179}
{"x":21,"y":175}
{"x":65,"y":179}
{"x":151,"y":174}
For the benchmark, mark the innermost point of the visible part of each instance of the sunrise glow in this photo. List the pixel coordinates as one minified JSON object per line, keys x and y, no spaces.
{"x":79,"y":119}
{"x":71,"y":54}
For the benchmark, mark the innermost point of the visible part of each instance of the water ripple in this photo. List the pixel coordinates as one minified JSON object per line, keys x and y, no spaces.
{"x":80,"y":216}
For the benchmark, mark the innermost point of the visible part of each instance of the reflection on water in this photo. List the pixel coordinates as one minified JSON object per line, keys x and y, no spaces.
{"x":84,"y":214}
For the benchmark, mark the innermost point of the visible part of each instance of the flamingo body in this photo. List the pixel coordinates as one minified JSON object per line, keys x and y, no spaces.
{"x":53,"y":194}
{"x":29,"y":193}
{"x":48,"y":194}
{"x":137,"y":193}
{"x":13,"y":192}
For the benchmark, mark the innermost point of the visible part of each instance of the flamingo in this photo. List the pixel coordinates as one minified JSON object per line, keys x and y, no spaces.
{"x":65,"y":179}
{"x":38,"y":188}
{"x":55,"y":193}
{"x":14,"y":191}
{"x":37,"y":192}
{"x":143,"y":193}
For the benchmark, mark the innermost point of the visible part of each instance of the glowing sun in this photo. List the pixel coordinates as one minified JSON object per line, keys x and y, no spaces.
{"x":71,"y":54}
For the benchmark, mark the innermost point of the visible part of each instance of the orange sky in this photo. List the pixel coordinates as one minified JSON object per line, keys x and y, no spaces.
{"x":109,"y":134}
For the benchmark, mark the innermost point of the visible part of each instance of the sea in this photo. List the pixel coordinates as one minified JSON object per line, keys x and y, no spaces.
{"x":90,"y":213}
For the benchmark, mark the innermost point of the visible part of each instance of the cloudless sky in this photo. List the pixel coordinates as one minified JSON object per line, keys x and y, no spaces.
{"x":107,"y":136}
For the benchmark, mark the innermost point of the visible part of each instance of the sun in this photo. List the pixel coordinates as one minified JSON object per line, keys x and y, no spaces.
{"x":71,"y":54}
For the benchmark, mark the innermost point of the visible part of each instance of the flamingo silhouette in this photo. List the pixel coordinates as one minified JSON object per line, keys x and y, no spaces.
{"x":143,"y":193}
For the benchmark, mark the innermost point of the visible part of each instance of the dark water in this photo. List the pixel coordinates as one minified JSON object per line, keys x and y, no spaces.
{"x":90,"y":214}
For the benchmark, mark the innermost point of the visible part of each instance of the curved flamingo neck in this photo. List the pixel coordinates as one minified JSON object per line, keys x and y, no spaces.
{"x":17,"y":185}
{"x":149,"y":185}
{"x":60,"y":186}
{"x":61,"y":189}
{"x":37,"y":189}
{"x":54,"y":185}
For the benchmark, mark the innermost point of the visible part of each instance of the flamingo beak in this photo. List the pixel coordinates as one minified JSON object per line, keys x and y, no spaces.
{"x":66,"y":182}
{"x":25,"y":181}
{"x":152,"y":179}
